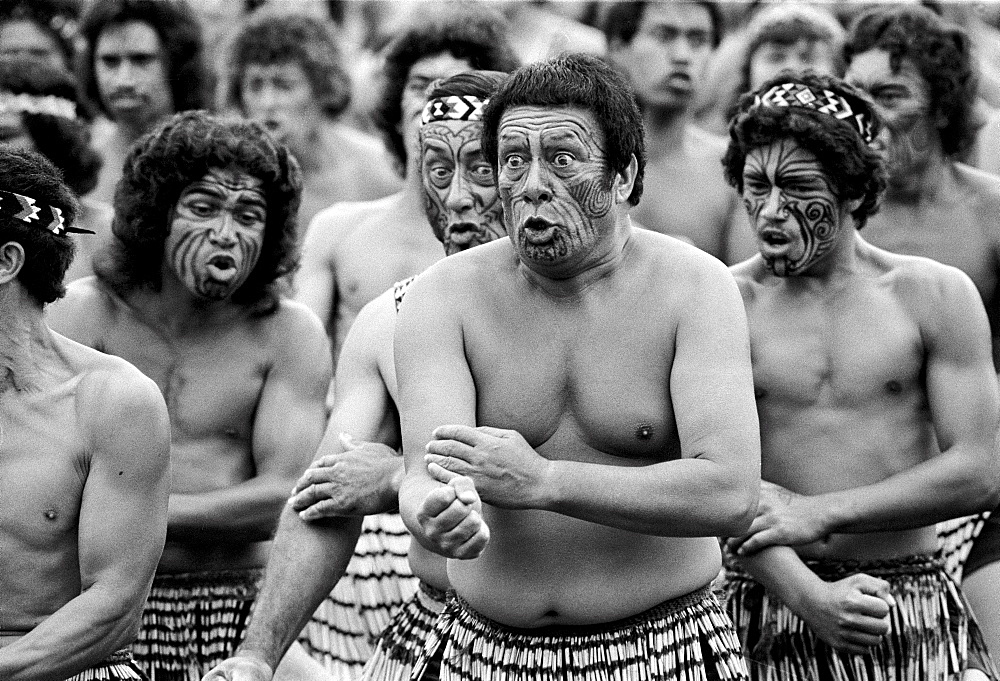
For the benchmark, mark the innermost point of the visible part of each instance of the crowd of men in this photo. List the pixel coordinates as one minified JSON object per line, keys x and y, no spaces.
{"x":642,"y":340}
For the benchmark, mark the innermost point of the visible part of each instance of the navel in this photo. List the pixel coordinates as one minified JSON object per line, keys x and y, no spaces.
{"x":894,"y":387}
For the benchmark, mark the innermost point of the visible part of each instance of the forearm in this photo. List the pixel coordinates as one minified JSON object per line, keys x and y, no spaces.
{"x":782,"y":573}
{"x":952,"y":484}
{"x":245,"y":512}
{"x":412,"y":492}
{"x":307,"y":560}
{"x":79,"y":635}
{"x":682,"y":498}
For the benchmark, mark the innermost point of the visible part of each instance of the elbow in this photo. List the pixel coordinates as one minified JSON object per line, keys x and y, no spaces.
{"x":742,"y":510}
{"x":983,"y":491}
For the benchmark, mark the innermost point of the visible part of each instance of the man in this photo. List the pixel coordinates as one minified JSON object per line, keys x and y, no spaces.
{"x":663,"y":48}
{"x":40,"y":29}
{"x":353,"y":479}
{"x":355,"y":251}
{"x":285,"y":72}
{"x":878,"y":407}
{"x":141,"y":63}
{"x":920,"y":71}
{"x":189,"y":291}
{"x":84,"y":459}
{"x":598,"y":470}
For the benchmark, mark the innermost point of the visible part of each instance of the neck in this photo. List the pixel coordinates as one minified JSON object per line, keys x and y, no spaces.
{"x":920,"y":183}
{"x":130,"y":131}
{"x":175,"y":310}
{"x":665,"y":128}
{"x":24,"y":338}
{"x":310,"y":152}
{"x":841,"y":261}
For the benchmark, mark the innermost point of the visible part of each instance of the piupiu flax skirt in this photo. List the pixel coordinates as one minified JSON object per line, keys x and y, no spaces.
{"x":932,"y":636}
{"x":341,"y":634}
{"x":194,"y":621}
{"x":685,"y":639}
{"x":406,"y":645}
{"x":117,"y":667}
{"x":955,"y":541}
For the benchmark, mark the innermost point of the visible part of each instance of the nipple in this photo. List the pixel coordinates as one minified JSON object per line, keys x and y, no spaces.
{"x":50,"y":514}
{"x":644,"y":432}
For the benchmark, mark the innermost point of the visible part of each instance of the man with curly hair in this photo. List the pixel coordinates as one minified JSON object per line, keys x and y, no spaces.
{"x":190,"y":292}
{"x":84,"y":459}
{"x":878,"y":406}
{"x":285,"y":71}
{"x":355,"y":251}
{"x":142,"y":61}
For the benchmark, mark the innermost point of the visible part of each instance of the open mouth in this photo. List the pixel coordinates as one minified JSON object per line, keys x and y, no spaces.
{"x":222,"y":267}
{"x":679,"y":81}
{"x":776,"y":238}
{"x":538,"y":230}
{"x":464,"y":234}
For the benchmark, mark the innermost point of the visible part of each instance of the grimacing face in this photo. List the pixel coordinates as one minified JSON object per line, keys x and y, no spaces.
{"x":793,"y":208}
{"x":279,"y":96}
{"x":554,"y":182}
{"x":216,"y":232}
{"x":460,"y":196}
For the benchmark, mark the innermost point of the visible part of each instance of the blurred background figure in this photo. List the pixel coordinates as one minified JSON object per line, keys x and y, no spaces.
{"x":284,"y":70}
{"x":40,"y":111}
{"x":42,"y":29}
{"x":541,"y":29}
{"x":142,"y":63}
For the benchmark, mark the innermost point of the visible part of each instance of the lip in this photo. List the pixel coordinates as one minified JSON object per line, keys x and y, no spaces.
{"x":678,"y":80}
{"x":222,"y":267}
{"x":773,"y":242}
{"x":538,"y":230}
{"x":463,"y":233}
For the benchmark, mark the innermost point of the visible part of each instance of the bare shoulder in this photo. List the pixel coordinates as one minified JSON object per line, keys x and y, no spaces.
{"x":332,"y":225}
{"x":86,"y":309}
{"x":749,"y":275}
{"x":294,"y":321}
{"x":981,"y":187}
{"x":671,"y":257}
{"x":926,"y":284}
{"x":706,"y":143}
{"x":490,"y":262}
{"x":375,"y":321}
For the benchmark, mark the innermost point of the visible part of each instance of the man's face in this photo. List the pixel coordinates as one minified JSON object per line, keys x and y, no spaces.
{"x":903,"y":99}
{"x":554,"y":182}
{"x":132,"y":73}
{"x":793,"y":208}
{"x":424,"y":72}
{"x":280,"y":97}
{"x":460,"y":196}
{"x":24,"y":38}
{"x":771,"y":58}
{"x":668,"y":54}
{"x":217,"y":232}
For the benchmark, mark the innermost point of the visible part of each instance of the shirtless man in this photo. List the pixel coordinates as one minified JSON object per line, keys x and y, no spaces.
{"x":878,"y":408}
{"x":663,"y":49}
{"x":353,"y":479}
{"x":189,"y":291}
{"x":285,"y":72}
{"x":84,"y":459}
{"x":920,"y":71}
{"x":142,"y":61}
{"x":593,"y":419}
{"x":355,"y":251}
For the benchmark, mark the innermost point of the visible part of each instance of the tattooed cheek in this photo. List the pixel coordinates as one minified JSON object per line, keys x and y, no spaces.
{"x":594,"y":198}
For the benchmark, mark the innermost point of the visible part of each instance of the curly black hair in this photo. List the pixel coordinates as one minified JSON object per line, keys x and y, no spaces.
{"x":623,"y":18}
{"x":855,"y":169}
{"x":179,"y":33}
{"x":466,"y":33}
{"x":158,"y":168}
{"x":58,"y":18}
{"x":942,"y":53}
{"x":46,"y":255}
{"x":583,"y":81}
{"x":64,"y":141}
{"x":270,"y":37}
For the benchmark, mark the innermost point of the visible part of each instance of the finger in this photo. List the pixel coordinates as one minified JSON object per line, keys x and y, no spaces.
{"x":733,"y":544}
{"x":865,"y":624}
{"x":473,"y":547}
{"x":465,"y":489}
{"x":464,"y":434}
{"x":327,"y":508}
{"x":437,"y":501}
{"x":876,"y":587}
{"x":860,"y":638}
{"x":304,"y":499}
{"x":852,"y":648}
{"x":348,"y":441}
{"x":445,"y":524}
{"x":437,"y":471}
{"x":495,"y":432}
{"x":452,"y":448}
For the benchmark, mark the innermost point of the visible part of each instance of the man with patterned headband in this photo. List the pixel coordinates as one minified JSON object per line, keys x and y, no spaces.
{"x":358,"y":470}
{"x":577,"y":409}
{"x":84,"y":459}
{"x":878,"y":406}
{"x":190,"y":291}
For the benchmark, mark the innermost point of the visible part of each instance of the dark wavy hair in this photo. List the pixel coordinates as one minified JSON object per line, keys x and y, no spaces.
{"x":46,"y":256}
{"x":466,"y":33}
{"x":179,"y":33}
{"x":270,"y":37}
{"x":855,"y":169}
{"x":942,"y":53}
{"x":582,"y":81}
{"x":178,"y":152}
{"x":623,"y":18}
{"x":64,"y":141}
{"x":58,"y":18}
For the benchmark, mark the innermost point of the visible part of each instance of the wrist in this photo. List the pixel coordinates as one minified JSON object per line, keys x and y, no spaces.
{"x":548,"y":490}
{"x":260,"y":654}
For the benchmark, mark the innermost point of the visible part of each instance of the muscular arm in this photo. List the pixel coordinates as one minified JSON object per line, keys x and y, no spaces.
{"x":122,"y":524}
{"x":288,"y":425}
{"x":316,"y":281}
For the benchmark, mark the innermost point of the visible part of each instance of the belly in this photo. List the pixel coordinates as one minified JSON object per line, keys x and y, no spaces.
{"x":179,"y":557}
{"x":542,"y":568}
{"x":873,"y":545}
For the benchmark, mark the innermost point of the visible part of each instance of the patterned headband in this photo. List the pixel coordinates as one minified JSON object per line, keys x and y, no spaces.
{"x":50,"y":105}
{"x":828,"y":102}
{"x":26,"y":209}
{"x":453,"y":108}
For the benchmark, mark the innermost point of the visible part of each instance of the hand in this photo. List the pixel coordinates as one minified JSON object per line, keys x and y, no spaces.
{"x":362,"y":480}
{"x":240,"y":668}
{"x":508,"y":473}
{"x":784,"y":518}
{"x":851,"y":614}
{"x":452,"y":516}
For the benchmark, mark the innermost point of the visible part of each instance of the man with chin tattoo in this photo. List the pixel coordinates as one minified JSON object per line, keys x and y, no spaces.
{"x":576,"y":407}
{"x":190,"y":291}
{"x":878,"y":408}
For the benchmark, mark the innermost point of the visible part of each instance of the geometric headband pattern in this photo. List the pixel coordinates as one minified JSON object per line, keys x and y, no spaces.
{"x":50,"y":105}
{"x":824,"y":101}
{"x":26,"y":209}
{"x":453,"y":108}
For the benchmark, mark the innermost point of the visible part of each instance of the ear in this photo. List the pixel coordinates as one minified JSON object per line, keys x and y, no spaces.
{"x":11,"y":261}
{"x":626,"y":181}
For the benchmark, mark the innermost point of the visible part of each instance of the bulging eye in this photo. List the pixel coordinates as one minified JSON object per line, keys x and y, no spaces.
{"x":514,"y":161}
{"x":482,"y":172}
{"x":562,"y":160}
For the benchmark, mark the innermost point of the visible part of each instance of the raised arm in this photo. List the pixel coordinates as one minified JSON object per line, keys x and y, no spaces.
{"x":288,"y":426}
{"x":122,"y":525}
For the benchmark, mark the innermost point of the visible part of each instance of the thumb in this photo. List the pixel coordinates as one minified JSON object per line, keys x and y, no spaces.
{"x":465,"y":489}
{"x":348,"y":441}
{"x":495,"y":432}
{"x":440,"y":473}
{"x":873,"y":586}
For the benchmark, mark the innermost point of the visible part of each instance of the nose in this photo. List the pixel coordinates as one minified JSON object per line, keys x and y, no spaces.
{"x":774,"y":207}
{"x":459,"y":198}
{"x":537,"y":183}
{"x":680,"y":52}
{"x":125,"y":74}
{"x":223,"y":233}
{"x":267,"y":97}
